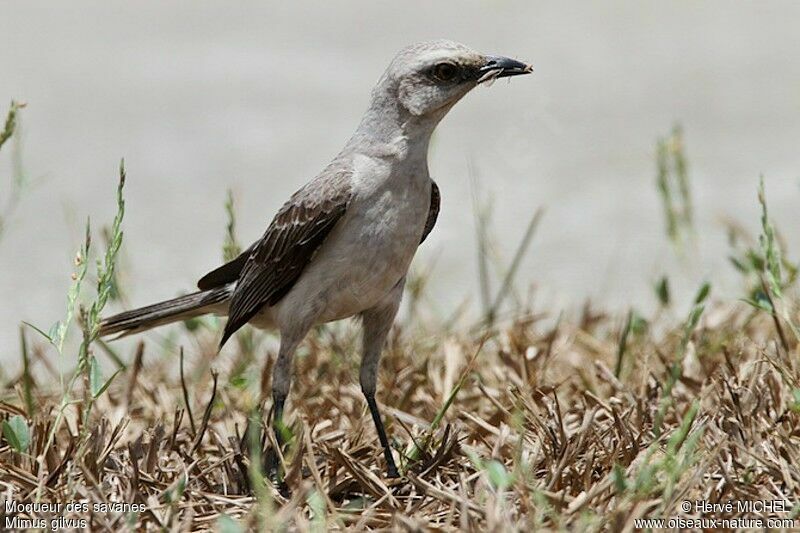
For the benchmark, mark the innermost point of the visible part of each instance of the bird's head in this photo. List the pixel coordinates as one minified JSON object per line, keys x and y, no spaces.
{"x":430,"y":77}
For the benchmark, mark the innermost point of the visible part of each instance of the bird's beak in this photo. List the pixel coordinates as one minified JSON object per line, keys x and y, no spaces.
{"x":502,"y":67}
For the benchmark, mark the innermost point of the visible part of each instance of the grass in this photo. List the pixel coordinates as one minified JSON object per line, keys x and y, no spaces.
{"x":19,"y":182}
{"x":532,"y":419}
{"x":674,"y":188}
{"x":540,"y":433}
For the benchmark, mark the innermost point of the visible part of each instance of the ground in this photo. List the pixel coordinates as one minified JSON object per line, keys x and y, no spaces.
{"x":553,"y":424}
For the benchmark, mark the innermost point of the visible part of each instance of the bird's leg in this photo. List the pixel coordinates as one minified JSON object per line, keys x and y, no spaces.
{"x":281,"y":382}
{"x":277,"y":417}
{"x":377,"y":323}
{"x":391,"y":468}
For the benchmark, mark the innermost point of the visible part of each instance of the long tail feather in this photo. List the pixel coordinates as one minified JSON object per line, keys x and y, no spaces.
{"x":166,"y":312}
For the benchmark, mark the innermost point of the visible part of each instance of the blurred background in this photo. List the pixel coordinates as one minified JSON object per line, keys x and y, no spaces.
{"x":204,"y":96}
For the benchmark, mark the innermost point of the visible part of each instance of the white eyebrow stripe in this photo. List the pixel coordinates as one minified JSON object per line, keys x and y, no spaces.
{"x":434,"y":56}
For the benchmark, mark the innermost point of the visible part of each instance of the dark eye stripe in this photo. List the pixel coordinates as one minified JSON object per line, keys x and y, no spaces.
{"x":445,"y":72}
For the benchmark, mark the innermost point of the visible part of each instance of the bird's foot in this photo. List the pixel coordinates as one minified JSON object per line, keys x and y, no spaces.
{"x":272,"y":471}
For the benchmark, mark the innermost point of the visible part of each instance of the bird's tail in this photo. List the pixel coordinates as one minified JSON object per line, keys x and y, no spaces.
{"x":166,"y":312}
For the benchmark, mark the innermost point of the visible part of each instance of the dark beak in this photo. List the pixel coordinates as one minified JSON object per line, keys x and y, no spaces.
{"x":502,"y":67}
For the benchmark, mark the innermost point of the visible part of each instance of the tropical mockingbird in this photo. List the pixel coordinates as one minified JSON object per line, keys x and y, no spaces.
{"x":342,"y":245}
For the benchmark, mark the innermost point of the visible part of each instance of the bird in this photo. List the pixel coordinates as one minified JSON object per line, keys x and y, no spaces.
{"x":341,"y":246}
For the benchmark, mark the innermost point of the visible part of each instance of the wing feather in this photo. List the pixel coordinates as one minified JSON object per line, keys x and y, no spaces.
{"x":433,"y":212}
{"x":276,"y":261}
{"x":227,"y":273}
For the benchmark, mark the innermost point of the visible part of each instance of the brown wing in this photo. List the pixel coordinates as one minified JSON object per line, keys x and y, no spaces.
{"x":227,"y":273}
{"x":433,"y":213}
{"x":277,"y":260}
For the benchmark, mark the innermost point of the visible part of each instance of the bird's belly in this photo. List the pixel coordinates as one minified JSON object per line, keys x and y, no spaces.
{"x":365,"y":281}
{"x":359,"y":263}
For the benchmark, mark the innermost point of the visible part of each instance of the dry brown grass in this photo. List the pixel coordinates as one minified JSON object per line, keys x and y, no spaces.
{"x":542,"y":434}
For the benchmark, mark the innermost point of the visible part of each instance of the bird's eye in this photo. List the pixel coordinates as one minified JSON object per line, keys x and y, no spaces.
{"x":445,"y":72}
